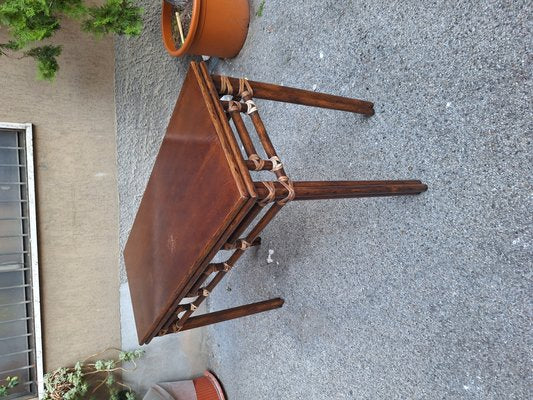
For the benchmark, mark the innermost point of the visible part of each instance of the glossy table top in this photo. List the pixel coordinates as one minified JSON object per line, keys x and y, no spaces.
{"x":194,"y":193}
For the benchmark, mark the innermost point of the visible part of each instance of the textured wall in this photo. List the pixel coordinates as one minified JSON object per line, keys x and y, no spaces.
{"x":74,"y":135}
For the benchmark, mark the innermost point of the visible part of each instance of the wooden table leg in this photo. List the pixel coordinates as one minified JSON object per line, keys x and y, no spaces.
{"x":232,"y":313}
{"x":304,"y":97}
{"x":243,"y":133}
{"x":344,"y":189}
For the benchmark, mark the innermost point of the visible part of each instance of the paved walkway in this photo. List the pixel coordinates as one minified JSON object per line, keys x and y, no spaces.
{"x":420,"y":297}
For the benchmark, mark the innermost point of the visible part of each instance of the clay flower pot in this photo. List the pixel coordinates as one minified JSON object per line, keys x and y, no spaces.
{"x":218,"y":28}
{"x":208,"y":388}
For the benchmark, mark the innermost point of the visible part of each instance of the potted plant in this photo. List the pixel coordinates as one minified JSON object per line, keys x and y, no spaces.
{"x":31,"y":21}
{"x":85,"y":378}
{"x":205,"y":27}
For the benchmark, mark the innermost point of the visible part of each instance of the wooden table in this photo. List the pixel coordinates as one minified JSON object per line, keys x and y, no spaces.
{"x":200,"y":198}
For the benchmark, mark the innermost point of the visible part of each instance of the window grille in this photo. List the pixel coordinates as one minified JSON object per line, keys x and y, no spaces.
{"x":20,"y":325}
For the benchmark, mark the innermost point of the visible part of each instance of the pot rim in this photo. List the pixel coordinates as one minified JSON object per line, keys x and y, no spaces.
{"x":214,"y":380}
{"x":189,"y":39}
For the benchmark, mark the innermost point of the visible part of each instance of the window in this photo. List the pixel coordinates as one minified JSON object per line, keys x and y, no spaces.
{"x":20,"y":325}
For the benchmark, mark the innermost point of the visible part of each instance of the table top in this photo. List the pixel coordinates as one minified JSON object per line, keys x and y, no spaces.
{"x":195,"y":192}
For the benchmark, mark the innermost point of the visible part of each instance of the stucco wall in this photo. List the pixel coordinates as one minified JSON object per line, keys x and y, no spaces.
{"x":74,"y":138}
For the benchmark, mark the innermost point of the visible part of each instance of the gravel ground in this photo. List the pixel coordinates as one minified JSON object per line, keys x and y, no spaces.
{"x":422,"y":297}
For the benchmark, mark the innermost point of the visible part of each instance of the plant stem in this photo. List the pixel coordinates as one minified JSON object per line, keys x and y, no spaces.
{"x":102,"y":352}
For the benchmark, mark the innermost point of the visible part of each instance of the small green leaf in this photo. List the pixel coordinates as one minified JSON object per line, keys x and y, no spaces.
{"x":261,"y":8}
{"x":30,"y":21}
{"x":110,"y":381}
{"x":10,"y":383}
{"x":46,"y":58}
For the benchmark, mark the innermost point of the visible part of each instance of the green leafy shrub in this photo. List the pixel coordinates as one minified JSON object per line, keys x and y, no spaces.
{"x":83,"y":379}
{"x":10,"y":383}
{"x":30,"y":21}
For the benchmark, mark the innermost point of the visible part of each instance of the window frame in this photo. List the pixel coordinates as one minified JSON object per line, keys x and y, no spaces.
{"x":27,"y":130}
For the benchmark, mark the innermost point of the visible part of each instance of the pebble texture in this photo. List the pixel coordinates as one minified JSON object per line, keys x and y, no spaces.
{"x":409,"y":297}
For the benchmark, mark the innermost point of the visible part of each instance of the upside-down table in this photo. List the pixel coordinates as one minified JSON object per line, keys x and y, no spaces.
{"x":201,"y":198}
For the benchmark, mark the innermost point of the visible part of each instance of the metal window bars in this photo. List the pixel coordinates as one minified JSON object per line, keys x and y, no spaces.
{"x":20,"y":325}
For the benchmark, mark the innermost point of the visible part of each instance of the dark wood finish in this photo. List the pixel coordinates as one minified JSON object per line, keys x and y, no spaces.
{"x":232,"y":313}
{"x":243,"y":134}
{"x":214,"y":267}
{"x":228,"y":139}
{"x":254,"y":212}
{"x":191,"y":169}
{"x":233,"y":245}
{"x":211,"y":268}
{"x":265,"y":139}
{"x":201,"y":273}
{"x":287,"y":94}
{"x":209,"y":90}
{"x":201,"y":199}
{"x":254,"y":233}
{"x":267,"y":167}
{"x":352,"y":183}
{"x":332,"y":190}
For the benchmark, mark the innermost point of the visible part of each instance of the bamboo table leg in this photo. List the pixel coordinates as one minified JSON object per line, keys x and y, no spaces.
{"x":278,"y":193}
{"x":344,"y":189}
{"x":304,"y":97}
{"x":232,"y":313}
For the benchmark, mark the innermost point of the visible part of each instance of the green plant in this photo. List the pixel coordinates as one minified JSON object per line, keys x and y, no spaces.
{"x":30,"y":21}
{"x":87,"y":376}
{"x":261,"y":8}
{"x":10,"y":383}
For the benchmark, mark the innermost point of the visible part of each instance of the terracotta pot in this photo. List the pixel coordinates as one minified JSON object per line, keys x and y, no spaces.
{"x":218,"y":28}
{"x":208,"y":388}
